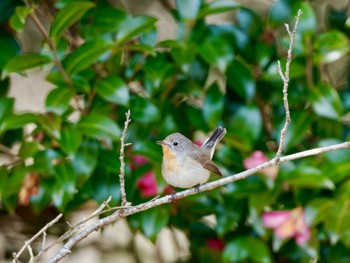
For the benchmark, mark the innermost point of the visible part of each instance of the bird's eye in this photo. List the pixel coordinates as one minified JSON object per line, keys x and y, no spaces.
{"x":175,"y":143}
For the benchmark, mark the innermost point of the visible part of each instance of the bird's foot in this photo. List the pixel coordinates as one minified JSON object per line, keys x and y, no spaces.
{"x":196,"y":188}
{"x":173,"y":196}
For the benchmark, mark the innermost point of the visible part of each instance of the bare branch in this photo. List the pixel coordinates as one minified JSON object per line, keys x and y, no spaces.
{"x":28,"y":242}
{"x":66,"y":249}
{"x":30,"y":250}
{"x":53,"y":49}
{"x":285,"y":78}
{"x":73,"y":229}
{"x":125,"y":203}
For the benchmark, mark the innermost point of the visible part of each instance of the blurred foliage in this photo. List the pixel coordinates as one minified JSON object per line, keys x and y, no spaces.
{"x":208,"y":75}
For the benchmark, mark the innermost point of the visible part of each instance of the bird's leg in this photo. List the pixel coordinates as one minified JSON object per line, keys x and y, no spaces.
{"x":173,"y":196}
{"x":196,"y":188}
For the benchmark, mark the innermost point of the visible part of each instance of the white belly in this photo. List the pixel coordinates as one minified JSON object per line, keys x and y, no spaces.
{"x":190,"y":174}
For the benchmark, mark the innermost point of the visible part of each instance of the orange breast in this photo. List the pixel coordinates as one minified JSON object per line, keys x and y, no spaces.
{"x":169,"y":161}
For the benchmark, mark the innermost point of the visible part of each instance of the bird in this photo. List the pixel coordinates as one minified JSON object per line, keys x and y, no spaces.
{"x":185,"y":164}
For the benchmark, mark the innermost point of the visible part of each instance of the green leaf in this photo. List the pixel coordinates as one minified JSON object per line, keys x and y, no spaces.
{"x":213,"y":106}
{"x":153,"y":221}
{"x":6,"y":108}
{"x":65,"y":175}
{"x":279,"y":13}
{"x":67,"y":16}
{"x":317,"y":209}
{"x":85,"y":159}
{"x":99,"y":127}
{"x":188,"y":10}
{"x":217,"y":51}
{"x":337,"y":220}
{"x":216,"y":7}
{"x":250,"y":22}
{"x":240,"y":80}
{"x":148,"y":148}
{"x":57,"y":101}
{"x":109,"y":160}
{"x":85,"y":55}
{"x":80,"y":83}
{"x":134,"y":26}
{"x":326,"y":102}
{"x":246,"y":247}
{"x":44,"y":161}
{"x":70,"y":140}
{"x":247,"y":123}
{"x":28,"y":149}
{"x":297,"y":129}
{"x":113,"y":89}
{"x":149,"y":38}
{"x":21,"y":63}
{"x":9,"y":48}
{"x":144,"y":110}
{"x":103,"y":20}
{"x":330,"y":46}
{"x":18,"y":121}
{"x":307,"y":22}
{"x":308,"y":177}
{"x":18,"y":19}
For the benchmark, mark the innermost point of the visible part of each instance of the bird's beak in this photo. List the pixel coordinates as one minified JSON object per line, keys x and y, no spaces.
{"x":161,"y":142}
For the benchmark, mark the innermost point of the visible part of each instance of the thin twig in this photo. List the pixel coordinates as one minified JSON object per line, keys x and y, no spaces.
{"x":53,"y":49}
{"x":28,"y":242}
{"x":74,"y":228}
{"x":30,"y":250}
{"x":122,"y":163}
{"x":285,"y":78}
{"x":66,"y":249}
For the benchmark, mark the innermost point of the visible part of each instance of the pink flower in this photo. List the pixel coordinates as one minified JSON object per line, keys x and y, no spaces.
{"x":288,"y":224}
{"x":138,"y":160}
{"x":215,"y":244}
{"x":257,"y":158}
{"x":147,"y":184}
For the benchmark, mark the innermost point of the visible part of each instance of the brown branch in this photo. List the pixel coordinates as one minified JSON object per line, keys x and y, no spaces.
{"x":28,"y":242}
{"x":66,"y":249}
{"x":53,"y":49}
{"x":285,"y":79}
{"x":73,"y":229}
{"x":125,"y":203}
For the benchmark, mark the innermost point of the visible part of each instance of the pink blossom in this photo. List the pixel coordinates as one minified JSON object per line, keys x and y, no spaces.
{"x":257,"y":158}
{"x":138,"y":160}
{"x":215,"y":244}
{"x":288,"y":224}
{"x":147,"y":184}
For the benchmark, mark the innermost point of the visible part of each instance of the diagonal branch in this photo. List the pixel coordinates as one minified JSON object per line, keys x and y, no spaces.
{"x":28,"y":242}
{"x":121,"y":213}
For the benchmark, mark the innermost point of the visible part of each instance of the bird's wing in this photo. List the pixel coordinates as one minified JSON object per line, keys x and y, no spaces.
{"x":203,"y":159}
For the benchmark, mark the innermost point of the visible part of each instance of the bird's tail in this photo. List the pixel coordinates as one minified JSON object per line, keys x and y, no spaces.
{"x":210,"y":144}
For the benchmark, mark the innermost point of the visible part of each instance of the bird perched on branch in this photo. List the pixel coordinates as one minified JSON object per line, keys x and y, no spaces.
{"x":184,"y":163}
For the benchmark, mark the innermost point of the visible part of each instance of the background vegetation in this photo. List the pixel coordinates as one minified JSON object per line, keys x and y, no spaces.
{"x":104,"y":61}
